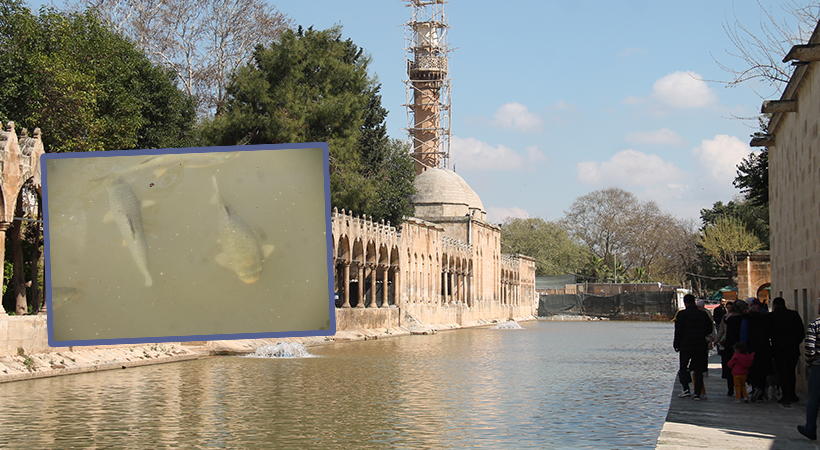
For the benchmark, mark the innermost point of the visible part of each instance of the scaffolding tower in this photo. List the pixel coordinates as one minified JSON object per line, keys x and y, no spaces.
{"x":428,"y":84}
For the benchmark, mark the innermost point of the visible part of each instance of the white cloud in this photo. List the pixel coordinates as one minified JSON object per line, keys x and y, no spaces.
{"x":629,"y":168}
{"x":664,"y":136}
{"x":515,"y":116}
{"x":683,"y":90}
{"x":534,"y":155}
{"x":497,"y":214}
{"x":720,"y":156}
{"x":472,"y":154}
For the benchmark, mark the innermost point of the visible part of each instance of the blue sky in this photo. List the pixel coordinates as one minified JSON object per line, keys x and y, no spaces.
{"x":552,"y":100}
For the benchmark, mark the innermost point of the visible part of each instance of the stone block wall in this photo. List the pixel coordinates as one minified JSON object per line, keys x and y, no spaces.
{"x":794,"y":196}
{"x":753,"y":273}
{"x":27,"y":332}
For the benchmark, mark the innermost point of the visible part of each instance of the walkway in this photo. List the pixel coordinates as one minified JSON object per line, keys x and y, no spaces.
{"x":720,"y":423}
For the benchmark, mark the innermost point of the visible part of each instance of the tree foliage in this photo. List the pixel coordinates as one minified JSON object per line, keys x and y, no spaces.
{"x":203,"y":42}
{"x":555,"y":251}
{"x":84,"y":86}
{"x":753,"y":178}
{"x":724,"y":238}
{"x":313,"y":86}
{"x":621,"y":231}
{"x":754,"y":218}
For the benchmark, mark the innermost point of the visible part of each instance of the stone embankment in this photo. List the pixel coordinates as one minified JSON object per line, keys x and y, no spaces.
{"x":73,"y":360}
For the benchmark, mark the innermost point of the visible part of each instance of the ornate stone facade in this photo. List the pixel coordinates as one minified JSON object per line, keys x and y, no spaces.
{"x":443,"y":268}
{"x":19,"y":163}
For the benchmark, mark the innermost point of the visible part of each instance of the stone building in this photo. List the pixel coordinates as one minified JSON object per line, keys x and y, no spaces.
{"x":794,"y":182}
{"x":754,"y":276}
{"x":443,"y":266}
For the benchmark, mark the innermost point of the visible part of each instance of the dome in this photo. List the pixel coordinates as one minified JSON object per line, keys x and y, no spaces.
{"x":442,"y":192}
{"x":473,"y":201}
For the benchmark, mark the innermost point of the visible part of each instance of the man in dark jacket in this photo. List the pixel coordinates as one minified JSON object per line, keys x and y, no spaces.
{"x":692,"y":328}
{"x":756,"y":332}
{"x":719,"y":312}
{"x":787,"y":334}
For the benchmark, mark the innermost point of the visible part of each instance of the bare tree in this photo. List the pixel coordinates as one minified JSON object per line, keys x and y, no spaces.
{"x":761,"y":50}
{"x":614,"y":224}
{"x":204,"y":42}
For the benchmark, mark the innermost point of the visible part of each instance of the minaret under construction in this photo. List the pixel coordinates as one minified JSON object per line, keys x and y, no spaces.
{"x":428,"y":84}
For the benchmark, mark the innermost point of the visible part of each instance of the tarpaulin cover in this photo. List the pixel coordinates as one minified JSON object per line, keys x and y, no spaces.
{"x":627,"y":303}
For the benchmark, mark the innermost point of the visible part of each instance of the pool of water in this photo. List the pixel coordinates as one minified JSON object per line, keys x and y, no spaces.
{"x":551,"y":385}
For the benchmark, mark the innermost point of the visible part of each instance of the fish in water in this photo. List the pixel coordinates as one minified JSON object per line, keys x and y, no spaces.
{"x":161,"y":163}
{"x":60,"y":296}
{"x":125,"y":210}
{"x":241,"y":250}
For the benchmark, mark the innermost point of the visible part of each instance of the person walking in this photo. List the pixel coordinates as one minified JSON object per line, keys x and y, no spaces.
{"x":787,"y":334}
{"x":728,"y":334}
{"x":692,"y":328}
{"x":756,"y":333}
{"x":812,"y":355}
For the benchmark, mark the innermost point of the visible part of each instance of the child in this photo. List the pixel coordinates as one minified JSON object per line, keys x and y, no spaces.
{"x":740,"y":363}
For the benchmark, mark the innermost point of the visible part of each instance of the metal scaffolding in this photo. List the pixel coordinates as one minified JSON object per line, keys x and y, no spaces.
{"x":428,"y":84}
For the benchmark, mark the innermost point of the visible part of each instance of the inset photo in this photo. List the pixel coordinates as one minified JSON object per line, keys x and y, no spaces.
{"x":188,"y":244}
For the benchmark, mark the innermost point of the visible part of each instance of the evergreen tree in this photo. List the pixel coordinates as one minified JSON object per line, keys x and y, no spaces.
{"x":313,"y":86}
{"x":85,"y":87}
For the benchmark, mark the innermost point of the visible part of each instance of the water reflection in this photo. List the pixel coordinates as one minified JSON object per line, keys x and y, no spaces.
{"x":552,"y":385}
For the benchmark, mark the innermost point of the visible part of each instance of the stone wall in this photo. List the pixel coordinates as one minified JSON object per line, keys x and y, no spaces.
{"x":794,"y":186}
{"x":794,"y":192}
{"x":27,"y":332}
{"x":754,"y":275}
{"x":366,"y":318}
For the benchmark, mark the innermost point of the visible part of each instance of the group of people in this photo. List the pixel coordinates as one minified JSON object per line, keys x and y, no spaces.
{"x":757,"y":347}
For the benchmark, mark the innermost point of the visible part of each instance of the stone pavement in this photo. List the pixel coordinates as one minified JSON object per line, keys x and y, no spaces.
{"x":720,"y":423}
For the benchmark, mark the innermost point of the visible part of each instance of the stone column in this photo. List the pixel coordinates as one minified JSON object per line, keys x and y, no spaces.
{"x":360,"y":294}
{"x":457,"y":283}
{"x":346,"y":284}
{"x":385,"y":286}
{"x":373,"y":271}
{"x":449,"y":285}
{"x":442,"y":285}
{"x":4,"y":226}
{"x":469,"y":289}
{"x":462,"y":287}
{"x":397,"y":287}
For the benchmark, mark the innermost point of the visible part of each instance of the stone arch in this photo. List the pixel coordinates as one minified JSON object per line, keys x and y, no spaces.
{"x":342,"y":267}
{"x":356,"y":297}
{"x":394,"y":277}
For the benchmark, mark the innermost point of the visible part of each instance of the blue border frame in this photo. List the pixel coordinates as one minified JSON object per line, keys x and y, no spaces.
{"x":148,"y":339}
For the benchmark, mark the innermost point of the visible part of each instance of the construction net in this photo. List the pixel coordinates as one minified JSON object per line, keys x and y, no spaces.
{"x":624,"y":304}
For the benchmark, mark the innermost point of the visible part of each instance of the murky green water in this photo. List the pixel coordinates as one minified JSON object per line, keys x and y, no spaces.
{"x":277,"y":194}
{"x":552,"y":385}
